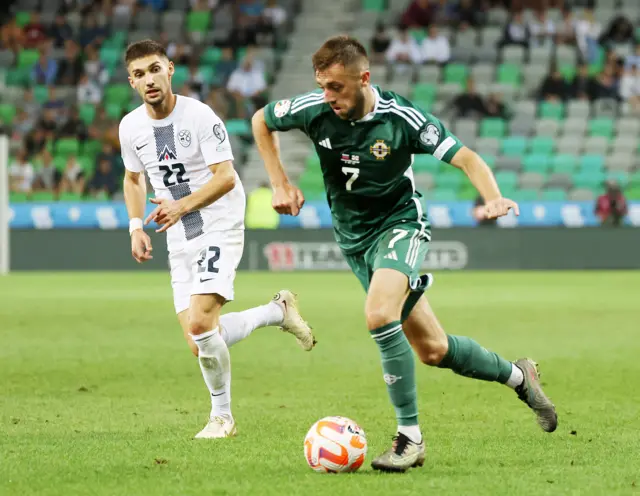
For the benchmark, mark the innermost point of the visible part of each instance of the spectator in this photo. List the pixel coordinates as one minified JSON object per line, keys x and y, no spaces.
{"x":495,"y":107}
{"x":74,"y":127}
{"x":45,"y":70}
{"x":35,"y":141}
{"x":516,"y":32}
{"x":22,"y":125}
{"x":605,"y":84}
{"x":541,"y":28}
{"x":124,"y":7}
{"x":94,"y":67}
{"x":274,"y":14}
{"x":435,"y":47}
{"x":403,"y":53}
{"x":581,"y":84}
{"x":12,"y":36}
{"x":48,"y":123}
{"x":611,"y":207}
{"x":247,"y":86}
{"x":445,"y":13}
{"x":71,"y":66}
{"x":88,"y":91}
{"x":104,"y":180}
{"x":190,"y":91}
{"x":566,"y":29}
{"x":34,"y":32}
{"x":61,"y":31}
{"x":72,"y":180}
{"x":47,"y":175}
{"x":468,"y":15}
{"x":633,"y":59}
{"x":469,"y":104}
{"x":29,"y":105}
{"x":419,"y":14}
{"x":587,"y":34}
{"x":554,"y":87}
{"x":197,"y":80}
{"x":480,"y":215}
{"x":21,"y":174}
{"x":619,"y":31}
{"x":91,"y":33}
{"x":379,"y":43}
{"x":179,"y":52}
{"x":226,"y":65}
{"x":243,"y":34}
{"x":630,"y":87}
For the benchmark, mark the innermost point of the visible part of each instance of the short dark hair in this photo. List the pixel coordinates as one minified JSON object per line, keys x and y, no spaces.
{"x":341,"y":49}
{"x":143,"y":48}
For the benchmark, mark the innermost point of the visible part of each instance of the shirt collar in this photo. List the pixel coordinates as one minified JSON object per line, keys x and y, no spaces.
{"x":371,"y":114}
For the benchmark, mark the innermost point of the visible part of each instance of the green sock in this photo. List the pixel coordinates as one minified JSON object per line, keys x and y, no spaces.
{"x":466,"y":357}
{"x":399,"y":371}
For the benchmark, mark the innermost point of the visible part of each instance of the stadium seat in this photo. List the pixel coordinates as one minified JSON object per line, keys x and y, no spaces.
{"x":563,"y":163}
{"x":541,"y":145}
{"x":620,"y":177}
{"x":113,"y":110}
{"x":509,"y":74}
{"x":553,"y":194}
{"x":468,"y":192}
{"x":7,"y":113}
{"x":451,"y":179}
{"x":426,"y":163}
{"x":536,"y":162}
{"x":633,"y":193}
{"x":589,"y":179}
{"x":23,"y":18}
{"x":506,"y":179}
{"x":601,"y":127}
{"x":424,"y":91}
{"x":514,"y":146}
{"x":180,"y":76}
{"x":634,"y":179}
{"x":591,"y":162}
{"x":87,"y":112}
{"x":211,"y":55}
{"x":374,"y":5}
{"x":198,"y":21}
{"x":312,"y":163}
{"x":42,"y":196}
{"x":66,"y":147}
{"x":117,"y":93}
{"x":456,"y":73}
{"x":552,"y":110}
{"x":238,"y":127}
{"x":493,"y":127}
{"x":524,"y":195}
{"x":27,"y":58}
{"x":441,"y":194}
{"x":40,"y":93}
{"x":15,"y":197}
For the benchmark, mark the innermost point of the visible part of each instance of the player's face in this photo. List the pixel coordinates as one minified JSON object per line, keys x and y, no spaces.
{"x":151,"y":77}
{"x":344,"y":90}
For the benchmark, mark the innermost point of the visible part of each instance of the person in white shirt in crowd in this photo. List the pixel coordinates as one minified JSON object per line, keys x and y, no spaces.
{"x":274,"y":14}
{"x":436,"y":47}
{"x":89,"y":91}
{"x":403,"y":54}
{"x":629,"y":88}
{"x":634,"y":58}
{"x":516,"y":32}
{"x":73,"y":178}
{"x":566,"y":28}
{"x":47,"y":176}
{"x":542,"y":29}
{"x":588,"y":31}
{"x":247,"y":85}
{"x":21,"y":174}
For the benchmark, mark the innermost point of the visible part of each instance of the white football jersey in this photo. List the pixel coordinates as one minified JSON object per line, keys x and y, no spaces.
{"x":176,"y":153}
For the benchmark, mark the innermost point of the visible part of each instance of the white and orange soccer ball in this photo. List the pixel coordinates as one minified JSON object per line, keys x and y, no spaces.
{"x":335,"y":444}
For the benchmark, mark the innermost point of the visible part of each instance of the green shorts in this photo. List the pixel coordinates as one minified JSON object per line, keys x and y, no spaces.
{"x":402,"y":248}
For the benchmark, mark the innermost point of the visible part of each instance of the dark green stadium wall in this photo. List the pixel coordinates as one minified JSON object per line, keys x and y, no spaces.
{"x":297,"y":249}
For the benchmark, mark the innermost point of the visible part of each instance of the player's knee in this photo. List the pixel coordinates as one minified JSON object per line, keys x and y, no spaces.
{"x":199,"y":324}
{"x":379,"y":316}
{"x":432,"y":351}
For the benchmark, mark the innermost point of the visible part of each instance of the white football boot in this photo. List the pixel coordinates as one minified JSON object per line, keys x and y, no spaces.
{"x":218,"y":427}
{"x":293,"y":321}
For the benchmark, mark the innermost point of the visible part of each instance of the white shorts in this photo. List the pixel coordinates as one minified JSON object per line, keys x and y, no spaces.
{"x":206,"y":265}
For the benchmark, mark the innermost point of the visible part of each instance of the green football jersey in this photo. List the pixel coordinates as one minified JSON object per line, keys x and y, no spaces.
{"x":366,"y":164}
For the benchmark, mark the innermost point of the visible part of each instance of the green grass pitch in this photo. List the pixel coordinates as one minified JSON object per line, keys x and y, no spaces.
{"x":101,"y":396}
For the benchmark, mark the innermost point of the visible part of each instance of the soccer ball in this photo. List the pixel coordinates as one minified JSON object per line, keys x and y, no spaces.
{"x":335,"y":444}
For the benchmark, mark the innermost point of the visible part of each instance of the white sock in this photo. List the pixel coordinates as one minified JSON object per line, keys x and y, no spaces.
{"x":412,"y":432}
{"x":236,"y":326}
{"x":215,"y":364}
{"x":516,"y":378}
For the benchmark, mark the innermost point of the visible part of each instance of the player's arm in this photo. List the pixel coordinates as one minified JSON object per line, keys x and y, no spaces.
{"x":135,"y":195}
{"x":223,"y":181}
{"x":278,"y":116}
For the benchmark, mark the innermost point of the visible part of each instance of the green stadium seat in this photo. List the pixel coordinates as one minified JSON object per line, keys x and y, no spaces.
{"x":620,"y":177}
{"x":60,"y":162}
{"x":180,"y":76}
{"x":116,"y":40}
{"x":568,"y":71}
{"x":27,"y":58}
{"x":564,"y":163}
{"x":456,"y":73}
{"x":23,"y":18}
{"x":442,"y":195}
{"x":424,"y":104}
{"x":211,"y":55}
{"x":117,"y":93}
{"x":238,"y":127}
{"x":468,"y":192}
{"x":552,"y":110}
{"x":87,"y":112}
{"x":450,"y":180}
{"x":198,"y":21}
{"x":553,"y":194}
{"x":426,"y":163}
{"x":634,"y":179}
{"x":493,"y":127}
{"x":15,"y":197}
{"x":92,"y":148}
{"x":18,"y":76}
{"x":42,"y":196}
{"x":490,"y":160}
{"x":114,"y":110}
{"x":509,"y":74}
{"x":506,"y":179}
{"x":110,"y":56}
{"x":601,"y":127}
{"x":592,"y":162}
{"x":133,"y":104}
{"x":70,"y":197}
{"x":312,"y":164}
{"x":524,"y":195}
{"x":542,"y":145}
{"x":536,"y":162}
{"x":424,"y":91}
{"x":374,"y":5}
{"x":41,"y":94}
{"x":7,"y":113}
{"x":87,"y":162}
{"x":514,"y":146}
{"x":633,"y":193}
{"x":592,"y":180}
{"x":67,"y":146}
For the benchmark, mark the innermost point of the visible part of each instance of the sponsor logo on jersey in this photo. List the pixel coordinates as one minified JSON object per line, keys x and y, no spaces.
{"x":281,"y":108}
{"x":430,"y":135}
{"x":166,"y":154}
{"x":219,"y":133}
{"x":380,"y":150}
{"x":184,"y":137}
{"x":350,"y":159}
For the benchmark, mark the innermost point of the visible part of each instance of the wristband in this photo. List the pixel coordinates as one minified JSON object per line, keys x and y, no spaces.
{"x":134,"y":224}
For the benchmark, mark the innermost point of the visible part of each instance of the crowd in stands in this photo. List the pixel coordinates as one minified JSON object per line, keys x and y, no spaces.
{"x":63,"y":62}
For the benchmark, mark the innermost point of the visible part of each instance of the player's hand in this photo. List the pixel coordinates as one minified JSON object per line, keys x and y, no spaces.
{"x":287,"y":200}
{"x":500,"y":207}
{"x":141,"y":246}
{"x":167,"y":213}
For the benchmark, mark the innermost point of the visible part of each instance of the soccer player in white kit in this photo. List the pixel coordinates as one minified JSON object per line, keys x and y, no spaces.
{"x":185,"y":150}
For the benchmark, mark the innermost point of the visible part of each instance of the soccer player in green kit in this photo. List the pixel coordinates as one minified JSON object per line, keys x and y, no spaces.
{"x":366,"y":138}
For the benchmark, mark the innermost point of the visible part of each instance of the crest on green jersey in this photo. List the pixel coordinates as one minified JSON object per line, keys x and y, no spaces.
{"x":430,"y":136}
{"x":380,"y":150}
